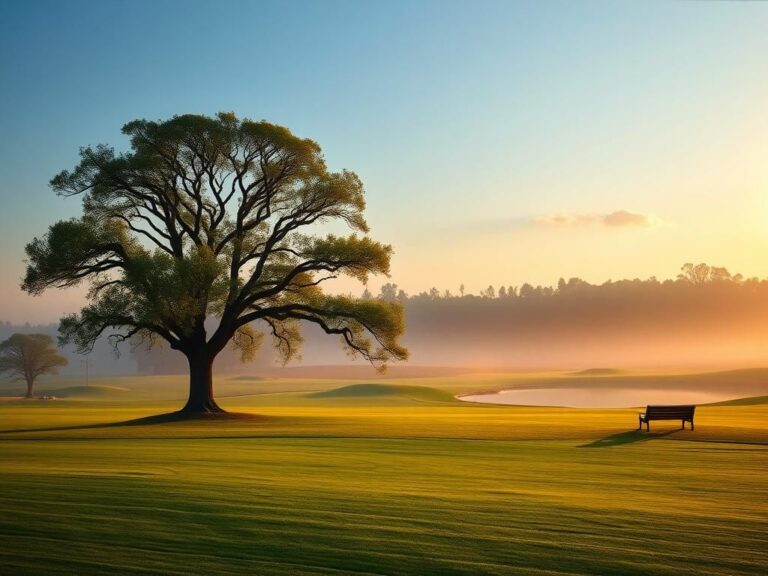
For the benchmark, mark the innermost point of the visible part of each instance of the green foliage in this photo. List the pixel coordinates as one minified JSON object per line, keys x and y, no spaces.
{"x":357,"y":257}
{"x":74,"y":250}
{"x":357,"y":318}
{"x":214,"y":220}
{"x":247,"y":341}
{"x":397,"y":392}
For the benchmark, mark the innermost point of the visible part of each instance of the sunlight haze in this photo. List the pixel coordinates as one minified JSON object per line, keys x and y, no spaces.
{"x":494,"y":139}
{"x":383,"y":287}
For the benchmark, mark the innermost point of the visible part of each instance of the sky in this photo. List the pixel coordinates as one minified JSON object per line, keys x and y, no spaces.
{"x":499,"y":142}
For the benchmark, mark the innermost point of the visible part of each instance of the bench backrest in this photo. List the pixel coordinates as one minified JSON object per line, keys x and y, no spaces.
{"x":681,"y":412}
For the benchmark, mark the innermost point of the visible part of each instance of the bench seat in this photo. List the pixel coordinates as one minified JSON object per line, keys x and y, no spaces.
{"x":684,"y":413}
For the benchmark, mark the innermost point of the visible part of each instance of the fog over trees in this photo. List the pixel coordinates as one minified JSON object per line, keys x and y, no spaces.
{"x":705,"y":317}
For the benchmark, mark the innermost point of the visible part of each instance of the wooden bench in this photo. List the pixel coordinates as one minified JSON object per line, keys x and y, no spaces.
{"x":683,"y":413}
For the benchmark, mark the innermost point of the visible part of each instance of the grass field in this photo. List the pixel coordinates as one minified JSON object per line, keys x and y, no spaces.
{"x":394,"y":477}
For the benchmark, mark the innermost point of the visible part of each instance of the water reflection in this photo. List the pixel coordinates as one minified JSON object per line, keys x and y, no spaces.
{"x":599,"y":397}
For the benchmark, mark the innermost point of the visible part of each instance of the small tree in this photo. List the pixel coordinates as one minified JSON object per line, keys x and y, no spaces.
{"x":205,"y":233}
{"x":27,"y":356}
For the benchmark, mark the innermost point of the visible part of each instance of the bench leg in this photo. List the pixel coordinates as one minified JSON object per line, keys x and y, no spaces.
{"x":647,"y":425}
{"x":691,"y":425}
{"x":683,"y":424}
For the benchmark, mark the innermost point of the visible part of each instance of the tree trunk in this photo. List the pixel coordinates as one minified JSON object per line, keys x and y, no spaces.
{"x":30,"y":388}
{"x":200,"y":399}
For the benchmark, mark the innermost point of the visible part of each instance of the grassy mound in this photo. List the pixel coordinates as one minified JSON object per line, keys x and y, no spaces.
{"x":753,"y":401}
{"x":88,"y":392}
{"x":423,"y":393}
{"x":599,"y":372}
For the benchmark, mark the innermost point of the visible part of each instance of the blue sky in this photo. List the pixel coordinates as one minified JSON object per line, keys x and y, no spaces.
{"x":493,"y":137}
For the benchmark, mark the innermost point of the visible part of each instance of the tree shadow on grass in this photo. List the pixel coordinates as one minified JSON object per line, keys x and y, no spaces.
{"x":627,"y":438}
{"x":169,"y":418}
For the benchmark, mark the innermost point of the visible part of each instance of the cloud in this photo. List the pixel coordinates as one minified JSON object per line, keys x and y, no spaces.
{"x":625,"y":218}
{"x":616,"y":219}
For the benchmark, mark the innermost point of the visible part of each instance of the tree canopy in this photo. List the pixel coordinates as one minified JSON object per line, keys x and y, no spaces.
{"x":214,"y":219}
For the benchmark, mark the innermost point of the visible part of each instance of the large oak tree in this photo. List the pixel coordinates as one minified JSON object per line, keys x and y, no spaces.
{"x":207,"y":233}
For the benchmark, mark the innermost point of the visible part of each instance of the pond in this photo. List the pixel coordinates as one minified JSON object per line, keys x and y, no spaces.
{"x":602,"y":397}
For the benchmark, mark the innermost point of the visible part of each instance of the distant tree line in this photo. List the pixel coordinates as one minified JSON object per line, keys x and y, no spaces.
{"x":705,"y":313}
{"x":690,"y":275}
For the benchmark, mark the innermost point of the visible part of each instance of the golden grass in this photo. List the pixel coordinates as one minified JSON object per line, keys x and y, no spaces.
{"x":378,"y":485}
